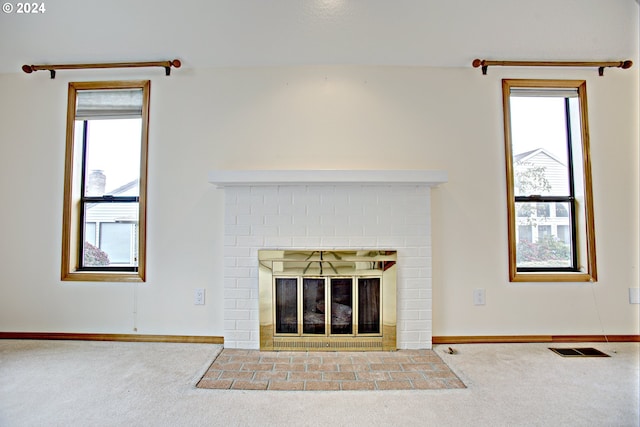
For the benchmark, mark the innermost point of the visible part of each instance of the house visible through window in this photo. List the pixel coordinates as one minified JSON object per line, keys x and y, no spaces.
{"x":551,"y":234}
{"x":105,"y":188}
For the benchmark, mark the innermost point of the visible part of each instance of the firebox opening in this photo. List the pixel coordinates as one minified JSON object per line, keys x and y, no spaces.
{"x":327,"y":299}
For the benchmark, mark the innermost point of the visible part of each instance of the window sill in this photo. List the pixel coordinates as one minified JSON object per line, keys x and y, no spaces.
{"x":101,"y":276}
{"x":552,"y":277}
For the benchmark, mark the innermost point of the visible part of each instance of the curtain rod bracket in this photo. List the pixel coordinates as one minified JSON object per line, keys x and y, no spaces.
{"x":53,"y":74}
{"x":485,"y":63}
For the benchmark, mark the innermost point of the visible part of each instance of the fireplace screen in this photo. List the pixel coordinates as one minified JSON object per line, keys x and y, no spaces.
{"x":327,"y":300}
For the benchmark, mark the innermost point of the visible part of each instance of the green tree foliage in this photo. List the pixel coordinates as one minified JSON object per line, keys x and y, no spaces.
{"x":530,"y":179}
{"x":547,"y":249}
{"x":94,"y":256}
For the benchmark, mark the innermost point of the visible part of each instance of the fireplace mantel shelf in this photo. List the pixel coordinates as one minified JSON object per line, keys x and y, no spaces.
{"x":226,"y":178}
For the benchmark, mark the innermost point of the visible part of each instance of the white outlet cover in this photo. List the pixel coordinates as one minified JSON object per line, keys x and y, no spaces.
{"x":198,"y":296}
{"x":479,"y":297}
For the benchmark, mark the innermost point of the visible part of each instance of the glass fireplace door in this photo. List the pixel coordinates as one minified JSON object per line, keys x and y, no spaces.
{"x":335,"y":306}
{"x":286,"y":305}
{"x":369,"y":305}
{"x":342,"y":305}
{"x":313,"y":306}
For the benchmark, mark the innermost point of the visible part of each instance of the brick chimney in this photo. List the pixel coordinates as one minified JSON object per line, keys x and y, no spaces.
{"x":96,"y":183}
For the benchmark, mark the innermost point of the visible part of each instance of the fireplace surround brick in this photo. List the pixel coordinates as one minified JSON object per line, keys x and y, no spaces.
{"x":322,"y":216}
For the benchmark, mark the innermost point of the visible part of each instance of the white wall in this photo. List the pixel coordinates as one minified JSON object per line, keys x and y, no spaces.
{"x":313,"y":117}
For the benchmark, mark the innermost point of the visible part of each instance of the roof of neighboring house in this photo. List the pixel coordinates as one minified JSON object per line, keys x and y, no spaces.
{"x":126,"y":187}
{"x":523,"y":157}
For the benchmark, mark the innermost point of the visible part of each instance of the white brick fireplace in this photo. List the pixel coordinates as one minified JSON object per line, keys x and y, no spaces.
{"x":327,"y":209}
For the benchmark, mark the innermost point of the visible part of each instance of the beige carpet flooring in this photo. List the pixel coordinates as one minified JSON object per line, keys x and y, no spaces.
{"x":70,"y":383}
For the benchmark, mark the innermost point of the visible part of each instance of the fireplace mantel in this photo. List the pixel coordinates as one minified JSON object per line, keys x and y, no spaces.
{"x":227,"y":178}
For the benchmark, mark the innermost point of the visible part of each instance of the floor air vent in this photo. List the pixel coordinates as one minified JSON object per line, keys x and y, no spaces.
{"x":579,"y":352}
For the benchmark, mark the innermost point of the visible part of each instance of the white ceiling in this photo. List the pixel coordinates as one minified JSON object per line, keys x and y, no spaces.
{"x":213,"y":33}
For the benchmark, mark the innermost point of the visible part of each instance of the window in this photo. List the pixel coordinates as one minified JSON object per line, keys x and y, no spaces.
{"x":525,"y":234}
{"x":105,"y":181}
{"x":550,"y":207}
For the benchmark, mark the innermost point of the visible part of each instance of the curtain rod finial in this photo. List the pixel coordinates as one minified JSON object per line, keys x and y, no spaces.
{"x":27,"y":69}
{"x":176,"y":63}
{"x":476,"y":63}
{"x":627,"y":64}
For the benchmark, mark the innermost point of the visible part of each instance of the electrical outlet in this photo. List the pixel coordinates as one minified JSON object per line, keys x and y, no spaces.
{"x":198,"y":296}
{"x":478,"y":297}
{"x":634,"y":295}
